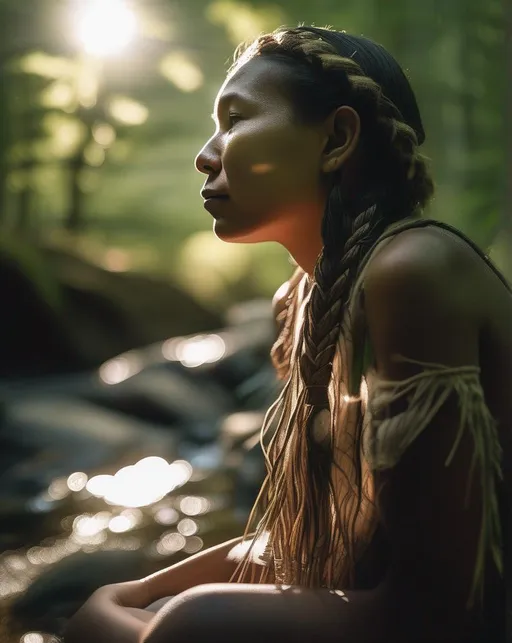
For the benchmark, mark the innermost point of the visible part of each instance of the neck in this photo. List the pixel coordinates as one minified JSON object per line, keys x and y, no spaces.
{"x":305,"y":253}
{"x":303,"y":239}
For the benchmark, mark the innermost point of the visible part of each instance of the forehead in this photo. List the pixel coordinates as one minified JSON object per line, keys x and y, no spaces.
{"x":259,"y":79}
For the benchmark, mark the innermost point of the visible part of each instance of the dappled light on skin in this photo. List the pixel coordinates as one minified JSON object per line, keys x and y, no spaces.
{"x":104,"y":27}
{"x":180,"y":70}
{"x":128,"y":111}
{"x":262,"y":168}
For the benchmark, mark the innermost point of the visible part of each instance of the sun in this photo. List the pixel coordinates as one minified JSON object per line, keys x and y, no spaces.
{"x":105,"y":27}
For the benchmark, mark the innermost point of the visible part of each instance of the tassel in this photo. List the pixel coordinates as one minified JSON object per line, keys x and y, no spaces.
{"x":426,"y":393}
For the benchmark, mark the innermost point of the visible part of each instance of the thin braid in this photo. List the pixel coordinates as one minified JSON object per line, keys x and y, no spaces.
{"x":334,"y":275}
{"x":384,"y":123}
{"x":311,"y":502}
{"x":281,"y":352}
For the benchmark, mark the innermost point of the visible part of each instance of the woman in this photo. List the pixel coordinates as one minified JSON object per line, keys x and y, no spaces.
{"x":388,"y":482}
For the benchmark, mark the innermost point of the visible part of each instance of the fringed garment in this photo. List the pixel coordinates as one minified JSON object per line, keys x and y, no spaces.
{"x":353,"y":433}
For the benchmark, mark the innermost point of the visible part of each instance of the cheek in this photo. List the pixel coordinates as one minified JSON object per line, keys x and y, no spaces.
{"x":270,"y":162}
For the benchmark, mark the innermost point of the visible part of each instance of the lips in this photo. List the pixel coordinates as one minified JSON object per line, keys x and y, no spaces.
{"x":216,"y":205}
{"x":214,"y":194}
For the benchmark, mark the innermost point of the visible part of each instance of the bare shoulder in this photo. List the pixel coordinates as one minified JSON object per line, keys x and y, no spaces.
{"x":420,"y":302}
{"x":428,"y":262}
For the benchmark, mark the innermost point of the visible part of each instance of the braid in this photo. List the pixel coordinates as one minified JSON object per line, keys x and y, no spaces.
{"x":314,"y":534}
{"x":334,"y":275}
{"x":400,"y":169}
{"x":282,"y":349}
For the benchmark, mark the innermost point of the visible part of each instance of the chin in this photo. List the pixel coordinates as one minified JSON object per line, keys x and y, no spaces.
{"x":236,"y":234}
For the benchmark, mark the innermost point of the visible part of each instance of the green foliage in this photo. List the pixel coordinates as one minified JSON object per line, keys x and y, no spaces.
{"x":112,"y":142}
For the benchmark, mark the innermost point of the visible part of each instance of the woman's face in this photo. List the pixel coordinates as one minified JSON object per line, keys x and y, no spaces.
{"x":266,"y":164}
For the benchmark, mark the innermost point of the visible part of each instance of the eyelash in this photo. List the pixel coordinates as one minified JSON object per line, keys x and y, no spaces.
{"x":232,"y":117}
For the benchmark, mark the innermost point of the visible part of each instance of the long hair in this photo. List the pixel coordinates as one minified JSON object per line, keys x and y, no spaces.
{"x":315,"y":506}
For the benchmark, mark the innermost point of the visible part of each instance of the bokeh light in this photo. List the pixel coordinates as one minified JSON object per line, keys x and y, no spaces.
{"x":201,"y":350}
{"x":193,"y":545}
{"x":119,"y":369}
{"x":32,"y":637}
{"x":166,"y":516}
{"x":194,"y":505}
{"x":141,"y":484}
{"x":170,"y":543}
{"x":77,"y":481}
{"x":180,"y":70}
{"x":188,"y":527}
{"x":105,"y":27}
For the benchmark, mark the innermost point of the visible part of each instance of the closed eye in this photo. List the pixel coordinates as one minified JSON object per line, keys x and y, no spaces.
{"x":234,"y":118}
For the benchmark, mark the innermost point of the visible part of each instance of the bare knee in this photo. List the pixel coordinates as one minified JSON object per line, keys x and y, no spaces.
{"x":236,"y":612}
{"x":191,"y":616}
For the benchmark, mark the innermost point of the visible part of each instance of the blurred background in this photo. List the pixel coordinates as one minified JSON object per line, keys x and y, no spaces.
{"x":134,"y":369}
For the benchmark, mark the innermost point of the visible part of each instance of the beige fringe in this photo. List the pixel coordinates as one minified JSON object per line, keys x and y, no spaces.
{"x":426,"y":392}
{"x":348,"y":514}
{"x":354,"y":431}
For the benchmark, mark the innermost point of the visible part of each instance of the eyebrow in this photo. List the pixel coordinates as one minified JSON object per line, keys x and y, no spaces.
{"x":228,"y":98}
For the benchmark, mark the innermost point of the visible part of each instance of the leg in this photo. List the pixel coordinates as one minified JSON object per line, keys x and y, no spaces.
{"x":243,"y":612}
{"x":157,"y":605}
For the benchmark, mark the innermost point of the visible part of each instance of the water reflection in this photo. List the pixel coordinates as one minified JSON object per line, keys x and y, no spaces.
{"x":170,"y":543}
{"x":195,"y":351}
{"x":119,"y":369}
{"x":77,"y":481}
{"x":142,"y":484}
{"x":187,"y":527}
{"x":194,"y":506}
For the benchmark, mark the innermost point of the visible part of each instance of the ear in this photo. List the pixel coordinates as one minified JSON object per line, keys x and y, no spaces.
{"x":343,"y":128}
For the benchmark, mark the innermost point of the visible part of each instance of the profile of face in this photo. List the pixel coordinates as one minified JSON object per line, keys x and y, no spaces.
{"x":268,"y":166}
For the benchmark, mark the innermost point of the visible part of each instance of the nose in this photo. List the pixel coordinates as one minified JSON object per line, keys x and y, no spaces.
{"x":208,"y":160}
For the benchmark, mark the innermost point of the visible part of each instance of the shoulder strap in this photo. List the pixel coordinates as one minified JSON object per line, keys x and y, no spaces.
{"x":363,"y":352}
{"x":422,"y":223}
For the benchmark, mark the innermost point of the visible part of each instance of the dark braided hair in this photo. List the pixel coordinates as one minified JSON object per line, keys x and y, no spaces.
{"x":326,"y":69}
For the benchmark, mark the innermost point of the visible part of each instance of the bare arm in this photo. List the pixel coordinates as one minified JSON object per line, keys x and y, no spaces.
{"x":209,"y":566}
{"x":116,"y":613}
{"x":433,"y":533}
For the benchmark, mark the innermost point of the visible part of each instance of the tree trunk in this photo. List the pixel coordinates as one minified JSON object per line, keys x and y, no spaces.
{"x":74,"y":220}
{"x":25,"y":201}
{"x":507,"y":205}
